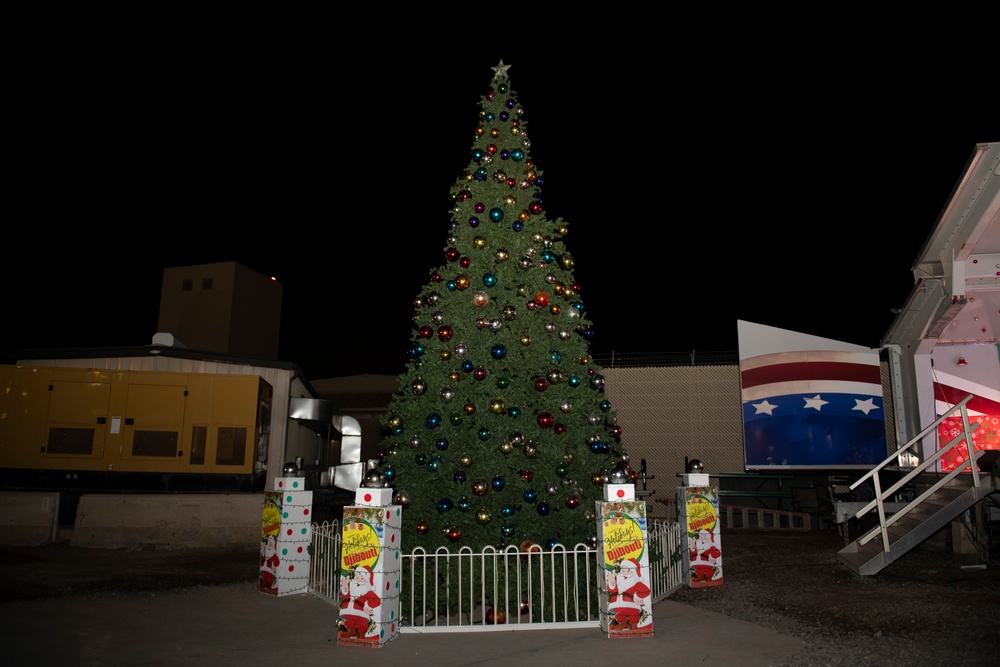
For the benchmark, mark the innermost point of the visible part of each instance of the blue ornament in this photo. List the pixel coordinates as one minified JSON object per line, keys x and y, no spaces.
{"x":467,"y":366}
{"x":433,"y":420}
{"x":574,"y":381}
{"x":499,"y":351}
{"x":517,"y":155}
{"x":551,"y":543}
{"x":464,"y":505}
{"x":490,"y":279}
{"x":498,"y":483}
{"x":483,"y":433}
{"x":530,"y":495}
{"x":441,"y":444}
{"x":434,"y":463}
{"x":548,"y":256}
{"x":605,"y":405}
{"x":518,"y":226}
{"x":451,"y":285}
{"x":514,"y":412}
{"x":507,"y":510}
{"x":444,"y":505}
{"x":389,"y":474}
{"x":480,"y":174}
{"x":555,"y":356}
{"x":478,"y":154}
{"x":507,"y":530}
{"x":496,"y":214}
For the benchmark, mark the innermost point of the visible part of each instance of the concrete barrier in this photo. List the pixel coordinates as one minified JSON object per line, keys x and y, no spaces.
{"x":162,"y":521}
{"x":29,"y":518}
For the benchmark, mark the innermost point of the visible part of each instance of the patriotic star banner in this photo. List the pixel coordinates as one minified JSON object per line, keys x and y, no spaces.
{"x":809,"y":402}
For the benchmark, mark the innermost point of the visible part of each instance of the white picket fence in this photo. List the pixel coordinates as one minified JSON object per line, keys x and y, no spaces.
{"x":502,"y":589}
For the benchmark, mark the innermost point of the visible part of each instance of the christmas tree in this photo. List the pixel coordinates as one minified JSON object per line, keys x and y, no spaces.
{"x":500,"y":432}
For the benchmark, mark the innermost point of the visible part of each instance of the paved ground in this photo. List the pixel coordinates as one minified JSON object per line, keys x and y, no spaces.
{"x":785,"y":601}
{"x":75,"y":606}
{"x":236,"y":625}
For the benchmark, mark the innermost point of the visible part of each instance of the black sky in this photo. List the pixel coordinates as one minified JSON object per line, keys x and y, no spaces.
{"x":778,"y":183}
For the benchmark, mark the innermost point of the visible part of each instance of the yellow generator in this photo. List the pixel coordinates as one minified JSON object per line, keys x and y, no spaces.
{"x":89,"y":430}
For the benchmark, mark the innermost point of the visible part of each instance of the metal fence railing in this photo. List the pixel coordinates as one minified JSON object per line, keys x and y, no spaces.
{"x":502,"y":589}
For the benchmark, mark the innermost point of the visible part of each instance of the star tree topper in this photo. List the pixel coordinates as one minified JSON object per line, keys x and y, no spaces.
{"x":500,"y":70}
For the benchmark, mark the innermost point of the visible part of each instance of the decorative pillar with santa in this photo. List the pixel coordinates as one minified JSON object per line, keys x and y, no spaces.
{"x":624,"y":591}
{"x":370,"y":570}
{"x":698,"y":510}
{"x":286,"y":535}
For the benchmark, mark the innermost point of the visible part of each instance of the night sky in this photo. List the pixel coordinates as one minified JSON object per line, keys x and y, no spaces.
{"x":774,"y":182}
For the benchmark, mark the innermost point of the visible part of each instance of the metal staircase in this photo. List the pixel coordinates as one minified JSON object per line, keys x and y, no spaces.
{"x":945,"y":498}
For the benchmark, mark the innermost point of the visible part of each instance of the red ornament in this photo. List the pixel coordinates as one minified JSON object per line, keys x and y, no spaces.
{"x":560,"y":429}
{"x":454,"y":534}
{"x":541,"y":384}
{"x":426,"y":332}
{"x":499,"y":617}
{"x":545,"y":420}
{"x":526,"y":475}
{"x":451,"y":254}
{"x":464,"y":262}
{"x":445,"y":333}
{"x":541,"y":298}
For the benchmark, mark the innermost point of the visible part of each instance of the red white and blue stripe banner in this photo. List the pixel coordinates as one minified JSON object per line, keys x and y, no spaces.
{"x":809,"y":402}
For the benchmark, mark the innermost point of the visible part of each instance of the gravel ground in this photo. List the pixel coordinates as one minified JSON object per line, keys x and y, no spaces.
{"x":928,"y":608}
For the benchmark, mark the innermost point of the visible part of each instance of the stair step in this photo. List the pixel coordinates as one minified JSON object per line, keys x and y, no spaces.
{"x":912,"y":528}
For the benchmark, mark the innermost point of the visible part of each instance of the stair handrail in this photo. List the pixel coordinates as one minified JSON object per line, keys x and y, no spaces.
{"x":964,"y":436}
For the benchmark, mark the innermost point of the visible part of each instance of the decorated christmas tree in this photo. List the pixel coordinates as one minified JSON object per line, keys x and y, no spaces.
{"x":501,"y":432}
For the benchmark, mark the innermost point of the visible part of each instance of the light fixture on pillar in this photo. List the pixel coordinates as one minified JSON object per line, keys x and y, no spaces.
{"x":962,"y":361}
